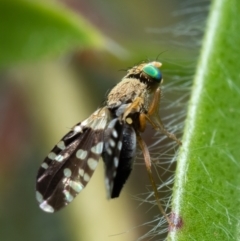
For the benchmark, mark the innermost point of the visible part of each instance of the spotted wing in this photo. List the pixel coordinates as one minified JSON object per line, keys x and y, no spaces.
{"x":69,"y":166}
{"x":118,"y":155}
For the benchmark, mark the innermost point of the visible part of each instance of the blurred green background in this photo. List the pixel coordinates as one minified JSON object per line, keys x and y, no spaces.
{"x":57,"y":61}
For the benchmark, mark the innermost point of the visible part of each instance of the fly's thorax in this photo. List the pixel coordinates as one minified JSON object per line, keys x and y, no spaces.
{"x":140,"y":81}
{"x":126,"y":92}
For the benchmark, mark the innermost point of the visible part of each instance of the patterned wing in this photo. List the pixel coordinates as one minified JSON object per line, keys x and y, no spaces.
{"x":118,"y":155}
{"x":69,"y":166}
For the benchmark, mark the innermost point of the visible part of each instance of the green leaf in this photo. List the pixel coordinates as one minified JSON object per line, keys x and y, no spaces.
{"x":31,"y":30}
{"x":206,"y":192}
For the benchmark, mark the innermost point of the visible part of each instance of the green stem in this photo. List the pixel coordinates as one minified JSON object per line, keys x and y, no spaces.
{"x":206,"y":192}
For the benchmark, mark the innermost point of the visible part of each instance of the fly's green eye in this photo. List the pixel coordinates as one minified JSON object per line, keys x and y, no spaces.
{"x":153,"y":72}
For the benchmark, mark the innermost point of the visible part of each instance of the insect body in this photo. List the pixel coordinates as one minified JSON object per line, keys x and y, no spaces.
{"x":111,"y":132}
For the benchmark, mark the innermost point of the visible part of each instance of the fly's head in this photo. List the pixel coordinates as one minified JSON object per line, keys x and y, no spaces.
{"x":147,"y":73}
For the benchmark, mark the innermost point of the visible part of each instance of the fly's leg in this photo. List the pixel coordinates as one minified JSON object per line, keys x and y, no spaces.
{"x":147,"y":160}
{"x":133,"y":107}
{"x":153,"y":110}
